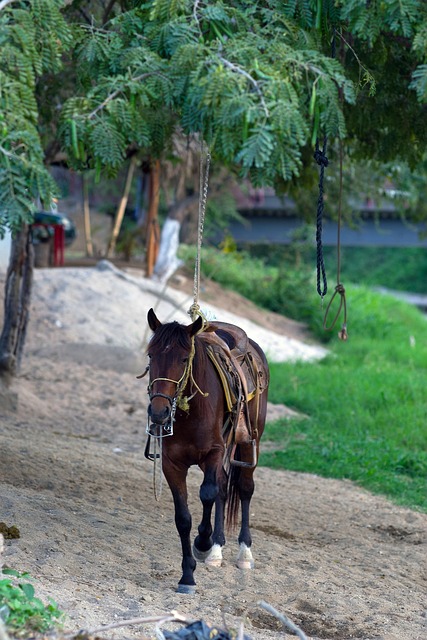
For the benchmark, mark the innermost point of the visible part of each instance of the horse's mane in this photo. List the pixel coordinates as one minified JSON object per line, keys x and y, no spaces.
{"x":168,"y":335}
{"x":175,"y":334}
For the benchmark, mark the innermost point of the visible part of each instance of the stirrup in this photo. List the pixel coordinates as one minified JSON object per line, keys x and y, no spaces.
{"x":240,"y":463}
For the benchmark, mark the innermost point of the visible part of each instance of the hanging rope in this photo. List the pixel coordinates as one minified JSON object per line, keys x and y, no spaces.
{"x":322,"y":285}
{"x":339,"y":289}
{"x":322,"y":161}
{"x":203,"y":195}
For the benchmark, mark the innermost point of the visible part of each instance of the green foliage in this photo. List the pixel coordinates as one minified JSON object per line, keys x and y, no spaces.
{"x":419,"y":82}
{"x":21,"y":610}
{"x":393,"y":16}
{"x":365,"y":403}
{"x":257,"y":81}
{"x":32,"y":41}
{"x":241,"y":76}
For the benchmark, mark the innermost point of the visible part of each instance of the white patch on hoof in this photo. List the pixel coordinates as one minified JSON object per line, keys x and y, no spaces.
{"x":214,"y":558}
{"x":245,"y":558}
{"x":188,"y":589}
{"x":200,"y":556}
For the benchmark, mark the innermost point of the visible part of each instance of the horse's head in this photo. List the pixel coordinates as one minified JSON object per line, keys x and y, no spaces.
{"x":170,"y":354}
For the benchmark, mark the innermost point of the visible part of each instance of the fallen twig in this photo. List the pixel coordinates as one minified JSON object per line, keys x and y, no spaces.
{"x":173,"y":616}
{"x":283,"y":619}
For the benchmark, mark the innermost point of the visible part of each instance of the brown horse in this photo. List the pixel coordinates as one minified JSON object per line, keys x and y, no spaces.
{"x":190,"y":404}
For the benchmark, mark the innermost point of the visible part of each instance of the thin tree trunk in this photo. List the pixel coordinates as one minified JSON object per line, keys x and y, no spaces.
{"x":17,"y":299}
{"x":121,"y":209}
{"x":153,"y":228}
{"x":86,"y":216}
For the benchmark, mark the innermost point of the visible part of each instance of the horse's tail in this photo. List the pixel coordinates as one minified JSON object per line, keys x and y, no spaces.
{"x":233,"y":497}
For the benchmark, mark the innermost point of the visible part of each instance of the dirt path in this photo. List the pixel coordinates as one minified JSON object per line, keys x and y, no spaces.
{"x":339,"y":562}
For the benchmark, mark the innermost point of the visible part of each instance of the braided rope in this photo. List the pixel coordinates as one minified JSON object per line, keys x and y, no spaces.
{"x":203,"y":195}
{"x":322,"y":285}
{"x":322,"y":161}
{"x":339,"y":289}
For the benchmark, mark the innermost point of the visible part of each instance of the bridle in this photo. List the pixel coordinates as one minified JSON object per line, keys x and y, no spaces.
{"x":165,"y":429}
{"x":177,"y":401}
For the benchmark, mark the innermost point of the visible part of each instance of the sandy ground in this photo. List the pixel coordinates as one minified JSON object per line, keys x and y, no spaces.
{"x":338,"y":561}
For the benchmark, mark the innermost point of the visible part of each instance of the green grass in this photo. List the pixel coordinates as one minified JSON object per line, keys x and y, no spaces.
{"x":366,"y":402}
{"x":21,"y":611}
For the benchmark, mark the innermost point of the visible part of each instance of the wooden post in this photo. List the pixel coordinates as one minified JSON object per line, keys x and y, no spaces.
{"x":121,"y":209}
{"x":86,"y":217}
{"x":153,"y":228}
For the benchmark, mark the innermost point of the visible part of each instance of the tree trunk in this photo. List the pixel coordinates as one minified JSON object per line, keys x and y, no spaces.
{"x":122,"y":207}
{"x":86,"y":216}
{"x":17,"y":298}
{"x":153,"y":228}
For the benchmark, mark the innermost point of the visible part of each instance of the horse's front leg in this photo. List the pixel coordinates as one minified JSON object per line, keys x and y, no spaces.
{"x":209,"y":495}
{"x":176,"y":479}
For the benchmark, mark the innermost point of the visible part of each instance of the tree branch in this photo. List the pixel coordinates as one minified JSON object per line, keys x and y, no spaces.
{"x":4,"y":3}
{"x":114,"y":94}
{"x":248,"y":76}
{"x":173,"y":616}
{"x":195,"y":7}
{"x":108,"y":11}
{"x":14,"y":156}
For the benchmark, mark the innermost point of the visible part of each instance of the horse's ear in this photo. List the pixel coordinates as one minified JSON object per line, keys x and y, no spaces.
{"x":196,"y":326}
{"x":153,"y":321}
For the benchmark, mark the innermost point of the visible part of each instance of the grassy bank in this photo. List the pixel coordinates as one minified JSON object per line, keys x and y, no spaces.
{"x":400,"y":268}
{"x":366,"y":403}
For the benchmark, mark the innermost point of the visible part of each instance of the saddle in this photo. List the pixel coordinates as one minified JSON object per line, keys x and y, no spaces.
{"x":243,"y":376}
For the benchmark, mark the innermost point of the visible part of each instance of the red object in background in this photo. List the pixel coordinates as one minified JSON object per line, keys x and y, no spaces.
{"x":58,"y":245}
{"x":57,"y":259}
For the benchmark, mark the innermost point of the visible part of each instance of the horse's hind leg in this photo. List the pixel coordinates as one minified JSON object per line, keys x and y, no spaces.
{"x":246,"y":489}
{"x":214,"y":558}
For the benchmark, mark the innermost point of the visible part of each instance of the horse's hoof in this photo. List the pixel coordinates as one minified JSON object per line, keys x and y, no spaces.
{"x":188,"y":589}
{"x":245,"y":564}
{"x":200,"y":556}
{"x":245,"y":559}
{"x":214,"y":558}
